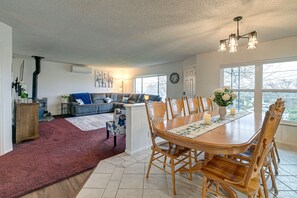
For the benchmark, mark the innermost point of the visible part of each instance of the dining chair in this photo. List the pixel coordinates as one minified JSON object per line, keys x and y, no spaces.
{"x":266,"y":170}
{"x":177,"y":107}
{"x":206,"y":104}
{"x":180,"y":157}
{"x":193,"y":105}
{"x":245,"y":178}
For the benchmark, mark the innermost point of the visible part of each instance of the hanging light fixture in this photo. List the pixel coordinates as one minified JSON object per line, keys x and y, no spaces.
{"x":233,"y":39}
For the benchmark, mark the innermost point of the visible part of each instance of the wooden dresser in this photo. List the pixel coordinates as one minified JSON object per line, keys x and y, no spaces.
{"x":26,"y":121}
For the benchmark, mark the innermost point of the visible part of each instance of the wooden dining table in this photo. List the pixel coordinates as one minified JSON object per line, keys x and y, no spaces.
{"x":231,"y":138}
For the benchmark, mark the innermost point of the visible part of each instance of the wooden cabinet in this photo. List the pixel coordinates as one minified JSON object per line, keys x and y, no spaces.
{"x":26,"y":121}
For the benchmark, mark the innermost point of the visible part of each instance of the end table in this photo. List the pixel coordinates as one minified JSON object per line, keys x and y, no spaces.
{"x":65,"y":109}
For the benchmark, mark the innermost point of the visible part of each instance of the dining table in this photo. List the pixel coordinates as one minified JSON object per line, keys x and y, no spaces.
{"x":227,"y":137}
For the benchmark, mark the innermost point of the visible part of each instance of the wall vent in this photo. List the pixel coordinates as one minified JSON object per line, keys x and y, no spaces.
{"x":81,"y":69}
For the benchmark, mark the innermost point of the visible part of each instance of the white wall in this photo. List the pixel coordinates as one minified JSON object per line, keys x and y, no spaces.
{"x":173,"y":90}
{"x":5,"y":87}
{"x":208,"y":71}
{"x":56,"y":79}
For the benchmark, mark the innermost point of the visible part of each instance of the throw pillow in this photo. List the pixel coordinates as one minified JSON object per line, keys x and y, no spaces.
{"x":85,"y":97}
{"x":79,"y":101}
{"x":107,"y":100}
{"x":125,"y":99}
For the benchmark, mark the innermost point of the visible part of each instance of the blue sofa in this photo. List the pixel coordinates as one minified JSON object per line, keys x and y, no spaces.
{"x":95,"y":103}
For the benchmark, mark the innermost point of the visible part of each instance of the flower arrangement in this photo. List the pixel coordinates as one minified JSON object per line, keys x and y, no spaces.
{"x":223,"y":96}
{"x":22,"y":87}
{"x":65,"y":96}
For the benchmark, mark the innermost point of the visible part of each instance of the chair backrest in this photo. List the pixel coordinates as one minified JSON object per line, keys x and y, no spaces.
{"x":193,"y":105}
{"x":177,"y":107}
{"x":210,"y":104}
{"x":204,"y":104}
{"x":156,"y":112}
{"x":267,"y":133}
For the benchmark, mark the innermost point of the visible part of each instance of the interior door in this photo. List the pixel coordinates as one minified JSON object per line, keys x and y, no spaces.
{"x":189,"y":81}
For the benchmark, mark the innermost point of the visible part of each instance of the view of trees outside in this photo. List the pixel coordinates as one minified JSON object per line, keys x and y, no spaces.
{"x":156,"y":85}
{"x":241,"y":80}
{"x":279,"y":81}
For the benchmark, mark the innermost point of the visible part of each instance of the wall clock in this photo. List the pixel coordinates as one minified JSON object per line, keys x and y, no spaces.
{"x":174,"y":78}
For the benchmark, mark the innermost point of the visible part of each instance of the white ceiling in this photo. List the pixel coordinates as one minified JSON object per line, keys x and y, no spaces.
{"x":138,"y":32}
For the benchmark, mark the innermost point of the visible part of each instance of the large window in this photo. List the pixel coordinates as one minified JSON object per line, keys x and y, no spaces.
{"x":152,"y":85}
{"x":280,"y":81}
{"x":242,"y":80}
{"x":261,"y":84}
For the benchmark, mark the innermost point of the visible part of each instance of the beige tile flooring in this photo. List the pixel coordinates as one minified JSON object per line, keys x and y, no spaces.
{"x":123,"y":176}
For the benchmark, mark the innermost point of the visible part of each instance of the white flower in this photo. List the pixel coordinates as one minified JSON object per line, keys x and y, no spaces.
{"x":234,"y":95}
{"x":212,"y":97}
{"x":219,"y":90}
{"x":226,"y":97}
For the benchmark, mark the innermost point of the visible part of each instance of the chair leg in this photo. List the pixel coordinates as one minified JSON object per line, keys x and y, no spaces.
{"x":173,"y":176}
{"x":190,"y":165}
{"x":260,"y":192}
{"x":264,"y":182}
{"x":204,"y":187}
{"x":276,"y":150}
{"x":150,"y":164}
{"x":165,"y":158}
{"x":274,"y":162}
{"x":272,"y":179}
{"x":195,"y":155}
{"x":114,"y":140}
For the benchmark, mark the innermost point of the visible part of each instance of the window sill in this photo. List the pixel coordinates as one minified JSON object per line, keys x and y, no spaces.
{"x":288,"y":123}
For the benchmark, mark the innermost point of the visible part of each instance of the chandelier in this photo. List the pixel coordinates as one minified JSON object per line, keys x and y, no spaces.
{"x":234,"y":38}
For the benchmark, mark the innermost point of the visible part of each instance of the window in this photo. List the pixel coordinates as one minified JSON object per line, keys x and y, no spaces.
{"x":156,"y":85}
{"x":280,"y":81}
{"x":242,"y":80}
{"x":261,"y":84}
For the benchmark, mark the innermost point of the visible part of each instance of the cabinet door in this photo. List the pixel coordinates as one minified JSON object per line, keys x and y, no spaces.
{"x":26,"y":121}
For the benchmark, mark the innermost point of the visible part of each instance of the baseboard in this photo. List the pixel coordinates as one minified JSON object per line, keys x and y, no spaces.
{"x":286,"y":146}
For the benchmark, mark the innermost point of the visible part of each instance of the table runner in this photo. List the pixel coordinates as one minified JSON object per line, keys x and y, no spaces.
{"x":198,"y":128}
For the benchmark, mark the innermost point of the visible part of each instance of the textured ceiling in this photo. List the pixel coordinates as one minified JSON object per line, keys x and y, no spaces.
{"x":138,"y":32}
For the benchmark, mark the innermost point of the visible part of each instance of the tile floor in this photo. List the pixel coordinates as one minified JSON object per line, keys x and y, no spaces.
{"x":123,"y":176}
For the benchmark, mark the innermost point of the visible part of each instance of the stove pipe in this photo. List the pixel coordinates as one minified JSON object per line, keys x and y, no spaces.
{"x":35,"y":77}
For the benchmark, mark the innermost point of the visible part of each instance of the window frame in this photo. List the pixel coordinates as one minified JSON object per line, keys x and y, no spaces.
{"x":258,"y":89}
{"x":149,"y":76}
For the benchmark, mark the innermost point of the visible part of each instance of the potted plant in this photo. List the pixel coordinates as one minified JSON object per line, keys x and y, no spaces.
{"x":65,"y":98}
{"x":223,"y":97}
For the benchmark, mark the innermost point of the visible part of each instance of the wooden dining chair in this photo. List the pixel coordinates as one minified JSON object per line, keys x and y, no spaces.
{"x":179,"y":156}
{"x":245,"y":178}
{"x":206,"y":104}
{"x":177,"y":107}
{"x":193,"y":105}
{"x":266,"y":170}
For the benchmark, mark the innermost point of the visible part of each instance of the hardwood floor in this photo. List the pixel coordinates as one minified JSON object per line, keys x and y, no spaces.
{"x":67,"y":188}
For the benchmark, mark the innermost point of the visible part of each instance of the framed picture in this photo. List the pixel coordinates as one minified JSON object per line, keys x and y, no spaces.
{"x":103,"y":79}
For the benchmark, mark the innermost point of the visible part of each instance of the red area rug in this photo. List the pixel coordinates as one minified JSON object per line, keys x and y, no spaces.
{"x":61,"y":151}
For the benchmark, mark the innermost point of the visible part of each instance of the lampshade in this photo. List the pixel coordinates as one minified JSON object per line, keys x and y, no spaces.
{"x":222,"y":46}
{"x":146,"y":97}
{"x":232,"y":40}
{"x":232,"y":49}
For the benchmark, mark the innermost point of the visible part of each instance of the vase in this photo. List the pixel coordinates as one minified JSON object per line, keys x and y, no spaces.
{"x":64,"y":100}
{"x":222,"y":112}
{"x":24,"y":100}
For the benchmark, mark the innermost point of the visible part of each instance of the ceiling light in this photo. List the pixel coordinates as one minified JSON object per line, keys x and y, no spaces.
{"x":233,"y":39}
